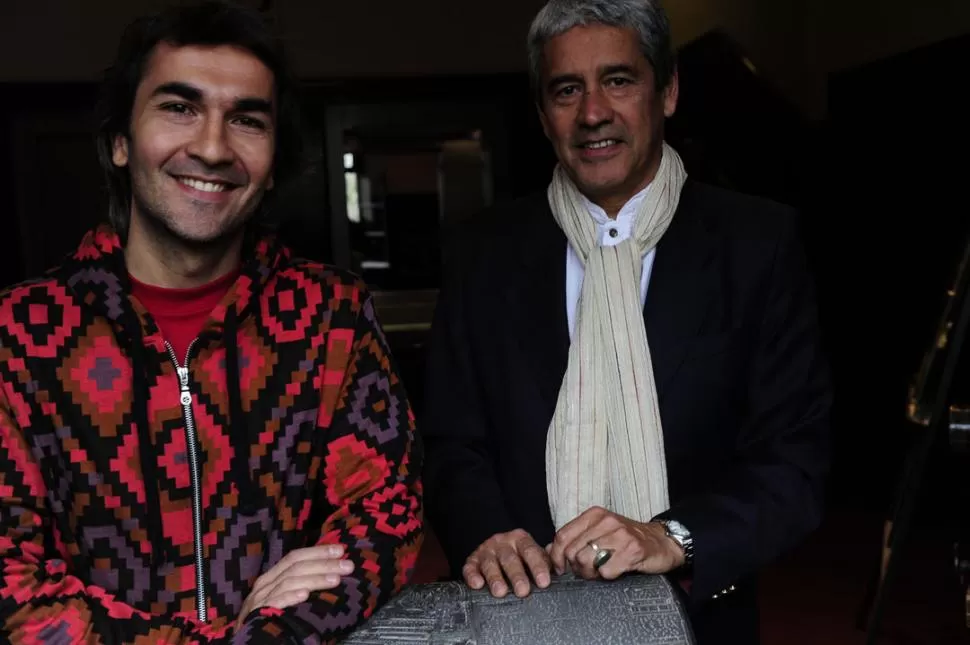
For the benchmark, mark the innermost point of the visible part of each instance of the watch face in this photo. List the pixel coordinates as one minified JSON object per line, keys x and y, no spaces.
{"x":676,"y":528}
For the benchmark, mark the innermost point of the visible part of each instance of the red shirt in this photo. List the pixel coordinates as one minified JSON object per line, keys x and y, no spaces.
{"x":181,"y":313}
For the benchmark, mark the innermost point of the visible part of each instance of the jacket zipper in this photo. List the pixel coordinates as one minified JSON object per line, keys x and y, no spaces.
{"x":195,"y":475}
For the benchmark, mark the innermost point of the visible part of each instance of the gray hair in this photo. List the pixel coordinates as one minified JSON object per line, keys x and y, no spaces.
{"x":645,"y":17}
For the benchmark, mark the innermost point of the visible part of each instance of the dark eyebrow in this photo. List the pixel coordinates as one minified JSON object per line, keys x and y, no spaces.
{"x":608,"y":70}
{"x":254,"y":105}
{"x":194,"y":94}
{"x":187,"y":92}
{"x":619,"y":69}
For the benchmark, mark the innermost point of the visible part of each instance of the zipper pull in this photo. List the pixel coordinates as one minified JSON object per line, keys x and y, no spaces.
{"x":186,"y":397}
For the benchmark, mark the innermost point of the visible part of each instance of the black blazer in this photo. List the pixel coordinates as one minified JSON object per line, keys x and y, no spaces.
{"x":743,"y":387}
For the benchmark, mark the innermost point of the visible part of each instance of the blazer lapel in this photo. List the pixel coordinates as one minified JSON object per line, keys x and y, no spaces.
{"x":683,"y":284}
{"x":537,"y":297}
{"x":682,"y":288}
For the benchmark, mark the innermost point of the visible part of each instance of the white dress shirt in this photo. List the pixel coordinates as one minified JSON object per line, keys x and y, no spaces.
{"x":623,"y":225}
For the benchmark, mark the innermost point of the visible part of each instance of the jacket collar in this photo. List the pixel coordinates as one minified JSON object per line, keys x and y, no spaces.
{"x":97,"y":274}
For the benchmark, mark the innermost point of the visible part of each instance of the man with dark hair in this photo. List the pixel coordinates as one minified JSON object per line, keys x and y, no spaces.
{"x":626,"y":373}
{"x":202,"y":439}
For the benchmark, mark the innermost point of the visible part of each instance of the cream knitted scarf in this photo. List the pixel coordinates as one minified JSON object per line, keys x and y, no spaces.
{"x":605,"y":444}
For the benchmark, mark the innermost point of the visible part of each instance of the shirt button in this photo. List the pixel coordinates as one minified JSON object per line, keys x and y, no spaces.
{"x":614,"y":232}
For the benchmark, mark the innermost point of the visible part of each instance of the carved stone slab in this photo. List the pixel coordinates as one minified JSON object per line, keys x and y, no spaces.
{"x":635,"y":610}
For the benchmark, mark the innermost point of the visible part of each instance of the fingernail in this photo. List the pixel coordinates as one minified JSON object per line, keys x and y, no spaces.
{"x":346,"y":566}
{"x":497,"y":589}
{"x":336,"y":551}
{"x":332,"y":580}
{"x":542,"y":579}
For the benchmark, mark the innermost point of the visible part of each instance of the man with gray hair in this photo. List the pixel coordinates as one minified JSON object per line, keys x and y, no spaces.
{"x":625,"y":372}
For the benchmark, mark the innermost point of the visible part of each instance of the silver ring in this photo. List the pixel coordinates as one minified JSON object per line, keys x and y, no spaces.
{"x":602,"y":555}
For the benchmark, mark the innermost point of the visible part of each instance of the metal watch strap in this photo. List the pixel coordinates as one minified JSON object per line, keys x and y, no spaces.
{"x":679,"y":534}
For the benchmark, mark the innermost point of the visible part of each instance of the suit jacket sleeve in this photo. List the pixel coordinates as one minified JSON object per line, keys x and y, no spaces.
{"x":464,"y":500}
{"x":773,"y":495}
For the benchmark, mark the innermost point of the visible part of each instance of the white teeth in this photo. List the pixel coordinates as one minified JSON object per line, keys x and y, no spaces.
{"x":600,"y":144}
{"x":205,"y":186}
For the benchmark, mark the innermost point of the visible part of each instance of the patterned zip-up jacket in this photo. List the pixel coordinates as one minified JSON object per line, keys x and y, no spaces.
{"x":141,"y":497}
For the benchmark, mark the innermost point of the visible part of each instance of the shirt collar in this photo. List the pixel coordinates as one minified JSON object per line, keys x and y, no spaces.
{"x":628,"y":211}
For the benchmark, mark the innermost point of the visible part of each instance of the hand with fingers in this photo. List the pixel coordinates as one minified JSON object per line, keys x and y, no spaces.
{"x":631,"y":546}
{"x":508,"y":558}
{"x":298,"y":574}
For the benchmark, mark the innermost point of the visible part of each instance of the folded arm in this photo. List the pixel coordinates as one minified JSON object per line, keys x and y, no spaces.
{"x":370,"y":475}
{"x":41,"y":599}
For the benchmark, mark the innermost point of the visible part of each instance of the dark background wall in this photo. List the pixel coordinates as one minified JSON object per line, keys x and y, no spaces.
{"x":795,"y":43}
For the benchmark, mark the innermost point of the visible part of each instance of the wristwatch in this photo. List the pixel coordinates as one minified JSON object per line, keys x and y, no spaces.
{"x":679,"y":534}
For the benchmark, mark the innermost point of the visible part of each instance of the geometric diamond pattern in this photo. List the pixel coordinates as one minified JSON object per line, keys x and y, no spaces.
{"x":331,"y":444}
{"x":292,"y":306}
{"x":95,"y":374}
{"x":41,"y":317}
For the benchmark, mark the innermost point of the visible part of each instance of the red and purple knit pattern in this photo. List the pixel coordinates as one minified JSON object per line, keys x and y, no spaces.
{"x":332,"y":456}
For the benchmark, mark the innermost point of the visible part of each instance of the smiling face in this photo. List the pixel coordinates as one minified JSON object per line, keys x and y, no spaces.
{"x":600,"y":108}
{"x":201,"y":142}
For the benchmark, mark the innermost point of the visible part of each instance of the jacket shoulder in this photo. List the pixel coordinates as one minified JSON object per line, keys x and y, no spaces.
{"x":738,"y":214}
{"x":46,"y":290}
{"x":335,"y":283}
{"x":499,"y":226}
